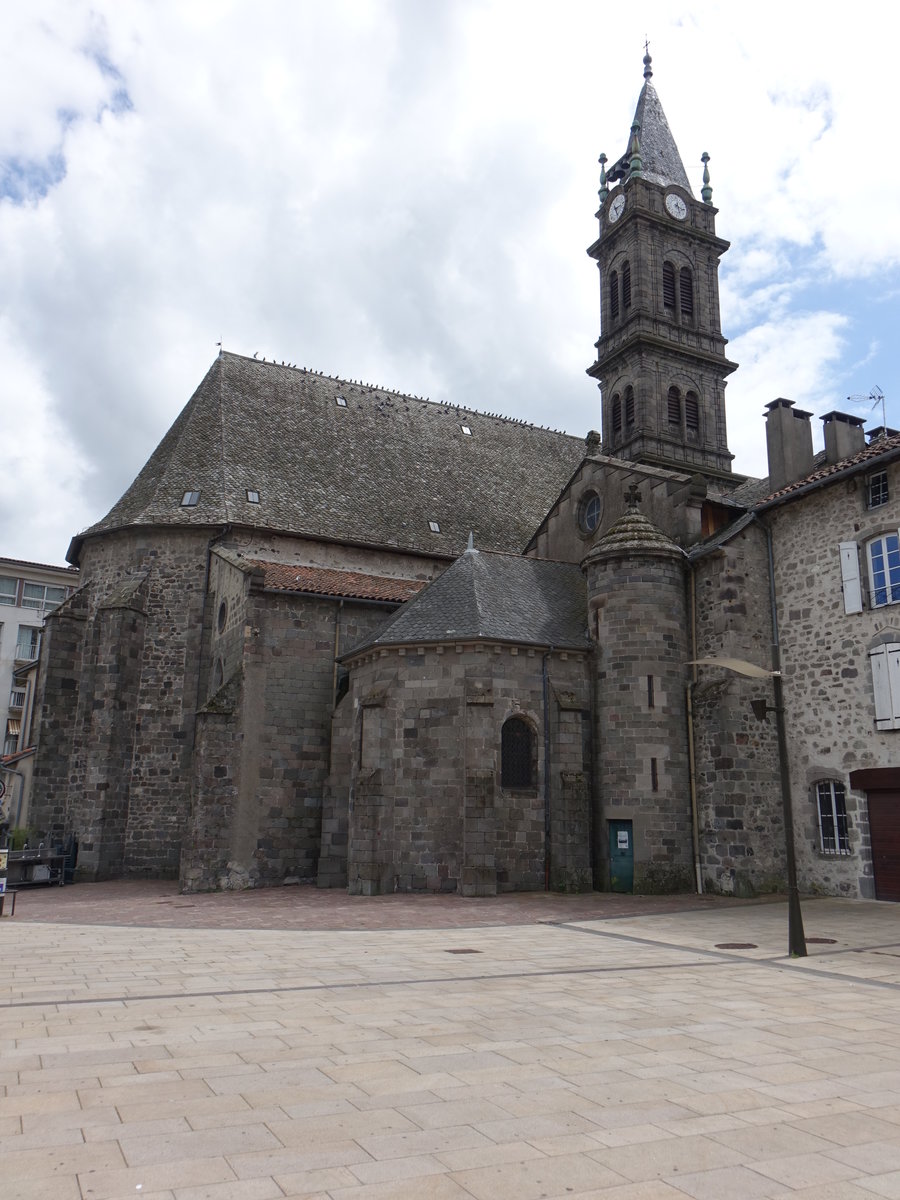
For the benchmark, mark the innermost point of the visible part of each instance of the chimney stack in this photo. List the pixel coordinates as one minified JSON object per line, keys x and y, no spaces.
{"x":844,"y":435}
{"x":788,"y":443}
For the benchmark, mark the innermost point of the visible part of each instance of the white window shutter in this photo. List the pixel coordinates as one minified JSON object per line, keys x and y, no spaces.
{"x":893,"y":673}
{"x":850,"y":577}
{"x":882,"y":688}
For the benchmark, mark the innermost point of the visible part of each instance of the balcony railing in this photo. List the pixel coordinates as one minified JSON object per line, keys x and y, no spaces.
{"x":16,"y":699}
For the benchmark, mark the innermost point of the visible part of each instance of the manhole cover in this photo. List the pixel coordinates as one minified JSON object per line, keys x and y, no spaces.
{"x":463,"y":950}
{"x":736,"y":946}
{"x":822,"y":941}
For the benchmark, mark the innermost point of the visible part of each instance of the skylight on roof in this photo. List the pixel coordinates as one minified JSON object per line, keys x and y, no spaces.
{"x":434,"y":527}
{"x":190,"y":499}
{"x":340,"y":401}
{"x":466,"y":430}
{"x":252,"y":497}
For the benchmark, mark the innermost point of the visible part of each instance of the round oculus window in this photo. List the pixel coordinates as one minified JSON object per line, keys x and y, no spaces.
{"x":590,"y":510}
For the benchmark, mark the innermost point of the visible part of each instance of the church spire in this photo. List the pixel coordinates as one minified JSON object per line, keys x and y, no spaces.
{"x":660,"y":161}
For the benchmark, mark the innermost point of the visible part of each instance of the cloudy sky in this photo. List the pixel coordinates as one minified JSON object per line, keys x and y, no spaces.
{"x":402,"y":191}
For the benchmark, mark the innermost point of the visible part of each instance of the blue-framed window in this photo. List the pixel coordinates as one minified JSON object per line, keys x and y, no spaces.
{"x":884,"y":569}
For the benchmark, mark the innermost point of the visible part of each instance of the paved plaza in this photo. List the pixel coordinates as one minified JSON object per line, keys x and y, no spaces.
{"x":545,"y":1047}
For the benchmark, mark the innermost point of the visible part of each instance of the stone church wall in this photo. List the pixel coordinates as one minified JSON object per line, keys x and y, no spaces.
{"x":738,"y":784}
{"x":263,"y":742}
{"x":138,"y":689}
{"x":638,"y":617}
{"x":424,"y":809}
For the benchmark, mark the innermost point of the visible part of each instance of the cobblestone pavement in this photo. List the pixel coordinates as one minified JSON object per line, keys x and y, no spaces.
{"x":554,"y":1055}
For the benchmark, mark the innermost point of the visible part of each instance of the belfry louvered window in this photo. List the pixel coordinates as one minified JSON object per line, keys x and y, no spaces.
{"x":686,"y":293}
{"x":692,"y":411}
{"x":674,"y":406}
{"x":616,"y":414}
{"x":626,"y":285}
{"x":517,"y":758}
{"x":668,"y":286}
{"x":614,"y":295}
{"x":629,"y":405}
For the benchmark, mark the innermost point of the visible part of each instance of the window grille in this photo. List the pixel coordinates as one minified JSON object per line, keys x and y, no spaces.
{"x":616,"y":414}
{"x":614,"y":295}
{"x":831,"y":803}
{"x":674,"y":406}
{"x":686,"y":290}
{"x":626,"y":285}
{"x":668,"y":286}
{"x":516,"y":754}
{"x":629,"y":406}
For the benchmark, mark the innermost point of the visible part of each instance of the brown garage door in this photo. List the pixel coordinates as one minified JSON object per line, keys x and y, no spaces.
{"x":884,"y":823}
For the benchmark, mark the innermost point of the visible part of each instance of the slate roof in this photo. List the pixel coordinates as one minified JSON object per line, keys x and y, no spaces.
{"x":496,"y":598}
{"x":661,"y":162}
{"x":323,"y":581}
{"x":376,"y":471}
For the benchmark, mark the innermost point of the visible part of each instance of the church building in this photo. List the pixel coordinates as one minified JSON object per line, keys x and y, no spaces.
{"x":333,"y":633}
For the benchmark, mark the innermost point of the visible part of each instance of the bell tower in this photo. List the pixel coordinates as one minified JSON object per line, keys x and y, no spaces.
{"x":661,"y":362}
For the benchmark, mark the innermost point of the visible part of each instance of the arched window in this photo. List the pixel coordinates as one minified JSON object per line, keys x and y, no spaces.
{"x":668,"y":286}
{"x":629,"y":405}
{"x":626,"y":285}
{"x":674,"y":404}
{"x":614,"y":295}
{"x":692,"y":411}
{"x":686,"y":293}
{"x":616,"y":414}
{"x":517,"y":756}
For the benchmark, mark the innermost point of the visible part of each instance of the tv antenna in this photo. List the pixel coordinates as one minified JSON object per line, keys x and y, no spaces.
{"x":876,"y":395}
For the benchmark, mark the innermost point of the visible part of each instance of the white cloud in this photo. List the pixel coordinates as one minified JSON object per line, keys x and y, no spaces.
{"x":403,"y":193}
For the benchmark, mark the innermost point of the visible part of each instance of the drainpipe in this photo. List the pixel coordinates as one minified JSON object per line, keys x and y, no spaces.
{"x":692,"y":760}
{"x":337,"y":650}
{"x":11,"y":771}
{"x":546,"y":690}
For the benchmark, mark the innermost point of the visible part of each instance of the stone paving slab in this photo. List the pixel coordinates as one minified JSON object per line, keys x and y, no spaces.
{"x":628,"y":1058}
{"x":158,"y":904}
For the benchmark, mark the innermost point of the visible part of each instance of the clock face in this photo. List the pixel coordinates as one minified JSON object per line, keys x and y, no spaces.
{"x":675,"y":206}
{"x":616,"y":208}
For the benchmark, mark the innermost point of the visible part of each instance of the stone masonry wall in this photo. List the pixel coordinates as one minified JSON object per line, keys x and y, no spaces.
{"x":424,"y":805}
{"x":829,"y":700}
{"x":738,"y":784}
{"x":148,"y":723}
{"x":638,"y":616}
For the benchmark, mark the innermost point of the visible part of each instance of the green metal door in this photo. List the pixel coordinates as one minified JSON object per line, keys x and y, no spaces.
{"x":621,"y":857}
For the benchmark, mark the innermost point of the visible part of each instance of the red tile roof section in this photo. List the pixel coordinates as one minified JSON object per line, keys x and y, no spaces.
{"x":874,"y":450}
{"x":322,"y":581}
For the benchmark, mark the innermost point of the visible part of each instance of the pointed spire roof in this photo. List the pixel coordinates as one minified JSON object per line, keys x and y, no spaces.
{"x":660,"y":161}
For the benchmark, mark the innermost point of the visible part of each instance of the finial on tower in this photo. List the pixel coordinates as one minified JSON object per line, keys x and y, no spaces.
{"x":706,"y":190}
{"x":635,"y":164}
{"x":633,"y":498}
{"x":648,"y":70}
{"x":604,"y":190}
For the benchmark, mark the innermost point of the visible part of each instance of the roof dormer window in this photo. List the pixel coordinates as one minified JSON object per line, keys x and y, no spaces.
{"x":190,"y":499}
{"x":434,"y":527}
{"x":252,"y":497}
{"x":340,"y":401}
